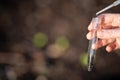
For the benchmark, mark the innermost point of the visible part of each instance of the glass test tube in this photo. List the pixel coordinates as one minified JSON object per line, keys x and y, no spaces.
{"x":92,"y":52}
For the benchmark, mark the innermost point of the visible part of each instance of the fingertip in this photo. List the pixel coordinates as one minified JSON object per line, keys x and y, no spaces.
{"x":90,"y":27}
{"x":89,"y":36}
{"x":108,"y":49}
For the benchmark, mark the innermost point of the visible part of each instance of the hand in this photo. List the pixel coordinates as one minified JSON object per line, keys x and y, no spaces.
{"x":108,"y":32}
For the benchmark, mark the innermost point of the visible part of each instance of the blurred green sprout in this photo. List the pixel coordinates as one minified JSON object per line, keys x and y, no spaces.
{"x":40,"y":40}
{"x":62,"y":42}
{"x":84,"y":59}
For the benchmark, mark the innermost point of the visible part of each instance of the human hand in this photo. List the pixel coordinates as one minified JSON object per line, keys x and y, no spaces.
{"x":108,"y":32}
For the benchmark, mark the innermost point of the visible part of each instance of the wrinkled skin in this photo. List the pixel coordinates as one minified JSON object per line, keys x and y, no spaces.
{"x":108,"y":32}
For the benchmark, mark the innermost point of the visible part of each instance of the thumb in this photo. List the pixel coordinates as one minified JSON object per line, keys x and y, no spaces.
{"x":108,"y":33}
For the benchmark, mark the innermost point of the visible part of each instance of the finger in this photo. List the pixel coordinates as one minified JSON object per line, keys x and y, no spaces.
{"x":90,"y":35}
{"x":102,"y":43}
{"x":108,"y":20}
{"x":96,"y":21}
{"x":108,"y":33}
{"x":90,"y":27}
{"x":111,"y":47}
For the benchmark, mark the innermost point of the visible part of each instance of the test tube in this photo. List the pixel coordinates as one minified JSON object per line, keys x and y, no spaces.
{"x":92,"y":52}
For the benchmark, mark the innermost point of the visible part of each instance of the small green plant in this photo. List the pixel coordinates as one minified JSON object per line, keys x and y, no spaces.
{"x":62,"y":42}
{"x":84,"y":59}
{"x":40,"y":40}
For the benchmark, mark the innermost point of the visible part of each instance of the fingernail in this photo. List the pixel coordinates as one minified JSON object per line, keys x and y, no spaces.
{"x":108,"y":49}
{"x":89,"y":36}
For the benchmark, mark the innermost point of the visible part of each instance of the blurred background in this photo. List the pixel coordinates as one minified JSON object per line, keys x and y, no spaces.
{"x":46,"y":40}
